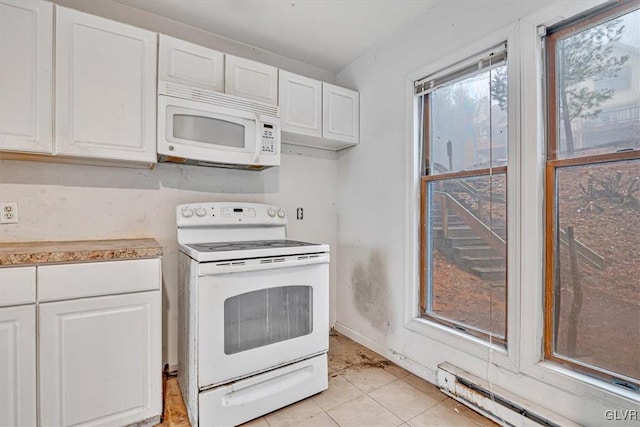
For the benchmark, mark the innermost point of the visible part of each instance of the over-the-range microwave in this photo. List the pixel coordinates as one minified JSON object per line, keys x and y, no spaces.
{"x":207,"y":128}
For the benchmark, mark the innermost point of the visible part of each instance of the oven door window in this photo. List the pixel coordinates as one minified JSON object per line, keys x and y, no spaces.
{"x":267,"y":316}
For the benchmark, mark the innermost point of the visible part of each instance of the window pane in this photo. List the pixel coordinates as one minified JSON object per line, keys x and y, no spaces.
{"x":598,"y":88}
{"x":597,"y":298}
{"x":267,"y":316}
{"x":467,"y":247}
{"x":468,"y":127}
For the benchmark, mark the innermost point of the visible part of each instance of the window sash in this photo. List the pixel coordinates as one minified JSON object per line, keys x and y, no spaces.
{"x":483,"y":62}
{"x":553,"y":165}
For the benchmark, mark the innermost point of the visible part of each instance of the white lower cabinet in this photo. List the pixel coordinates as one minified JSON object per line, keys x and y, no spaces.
{"x":100,"y":360}
{"x":18,"y":366}
{"x":96,"y":349}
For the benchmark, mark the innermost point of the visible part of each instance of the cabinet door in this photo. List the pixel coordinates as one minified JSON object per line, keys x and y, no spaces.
{"x":300,"y":104}
{"x":100,"y":360}
{"x":26,"y":45}
{"x":18,"y":366}
{"x":105,"y":88}
{"x":340,"y":113}
{"x":250,"y":79}
{"x":189,"y":64}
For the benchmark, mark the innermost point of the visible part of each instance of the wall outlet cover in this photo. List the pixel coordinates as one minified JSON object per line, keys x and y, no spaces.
{"x":8,"y":212}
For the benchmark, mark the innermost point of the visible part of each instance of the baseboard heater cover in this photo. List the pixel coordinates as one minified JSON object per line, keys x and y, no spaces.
{"x":498,"y":406}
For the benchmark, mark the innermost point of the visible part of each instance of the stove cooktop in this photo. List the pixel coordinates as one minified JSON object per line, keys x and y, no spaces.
{"x":248,"y":249}
{"x":247,"y":245}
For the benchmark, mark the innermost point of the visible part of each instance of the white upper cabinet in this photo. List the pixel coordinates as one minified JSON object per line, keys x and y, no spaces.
{"x":317,"y":114}
{"x":26,"y":45}
{"x":250,"y":79}
{"x":189,"y":64}
{"x":105,"y":88}
{"x":300,"y":104}
{"x":340,"y":114}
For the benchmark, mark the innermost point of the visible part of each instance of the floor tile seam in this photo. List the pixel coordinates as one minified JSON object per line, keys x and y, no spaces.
{"x":367,"y":395}
{"x":346,"y":401}
{"x":397,"y":415}
{"x":364,"y":391}
{"x":388,"y":409}
{"x":420,"y":414}
{"x":460,"y":413}
{"x":436,"y":392}
{"x":333,"y":419}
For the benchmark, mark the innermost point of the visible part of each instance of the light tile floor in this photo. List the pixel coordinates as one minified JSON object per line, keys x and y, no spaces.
{"x":367,"y":390}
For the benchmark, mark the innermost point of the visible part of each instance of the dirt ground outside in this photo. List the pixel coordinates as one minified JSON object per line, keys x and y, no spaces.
{"x":608,"y":323}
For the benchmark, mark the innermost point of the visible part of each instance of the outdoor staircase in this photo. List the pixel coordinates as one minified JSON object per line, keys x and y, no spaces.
{"x":471,"y":243}
{"x":465,"y":248}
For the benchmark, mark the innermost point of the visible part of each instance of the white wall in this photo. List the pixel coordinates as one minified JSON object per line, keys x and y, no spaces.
{"x":75,"y":202}
{"x":373,"y":283}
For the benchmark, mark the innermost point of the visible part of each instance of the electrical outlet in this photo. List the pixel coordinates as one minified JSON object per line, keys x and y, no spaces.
{"x":299,"y":213}
{"x":8,"y":212}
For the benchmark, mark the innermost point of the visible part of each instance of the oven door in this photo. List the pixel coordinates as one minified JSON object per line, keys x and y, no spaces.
{"x":260,"y":318}
{"x":209,"y":133}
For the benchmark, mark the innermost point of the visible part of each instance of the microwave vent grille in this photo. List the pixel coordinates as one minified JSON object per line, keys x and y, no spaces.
{"x":216,"y":98}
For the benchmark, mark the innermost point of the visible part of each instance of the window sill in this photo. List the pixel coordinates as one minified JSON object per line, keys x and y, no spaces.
{"x":568,"y":380}
{"x":463,"y":342}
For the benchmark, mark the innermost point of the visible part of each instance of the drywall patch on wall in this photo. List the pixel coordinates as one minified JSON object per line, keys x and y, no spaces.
{"x":370,"y":284}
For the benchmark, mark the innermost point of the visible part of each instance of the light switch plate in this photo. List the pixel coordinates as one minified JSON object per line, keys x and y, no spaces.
{"x":8,"y":212}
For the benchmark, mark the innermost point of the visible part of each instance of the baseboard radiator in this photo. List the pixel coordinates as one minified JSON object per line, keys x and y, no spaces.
{"x":500,"y":406}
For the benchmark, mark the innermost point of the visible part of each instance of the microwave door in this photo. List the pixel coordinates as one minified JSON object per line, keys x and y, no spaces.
{"x":209,"y":135}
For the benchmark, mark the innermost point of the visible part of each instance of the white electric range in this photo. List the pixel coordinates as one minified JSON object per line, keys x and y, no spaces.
{"x":254,"y":313}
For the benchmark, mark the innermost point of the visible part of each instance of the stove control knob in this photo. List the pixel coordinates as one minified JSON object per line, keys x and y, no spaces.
{"x":271,"y":212}
{"x":200,"y":211}
{"x":187,"y":212}
{"x":280,"y":213}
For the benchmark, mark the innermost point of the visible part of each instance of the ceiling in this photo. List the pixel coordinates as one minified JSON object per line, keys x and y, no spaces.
{"x":329,"y":34}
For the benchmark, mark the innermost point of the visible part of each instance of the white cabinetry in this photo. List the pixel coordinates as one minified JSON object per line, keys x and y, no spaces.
{"x":251,"y":80}
{"x":17,"y":347}
{"x":317,"y":114}
{"x":340,"y":114}
{"x":100,"y":354}
{"x":300,"y":104}
{"x":26,"y":44}
{"x":100,"y":343}
{"x":189,"y":64}
{"x":105,"y":88}
{"x":100,"y":360}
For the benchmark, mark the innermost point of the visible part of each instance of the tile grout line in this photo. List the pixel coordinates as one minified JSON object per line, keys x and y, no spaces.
{"x":388,"y":409}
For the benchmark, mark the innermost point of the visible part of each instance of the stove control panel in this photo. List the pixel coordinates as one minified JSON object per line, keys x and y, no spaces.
{"x":220,"y":213}
{"x":231,"y":212}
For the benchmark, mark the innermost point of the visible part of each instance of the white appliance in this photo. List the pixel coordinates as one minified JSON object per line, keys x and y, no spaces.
{"x":206,"y":128}
{"x":254,"y":314}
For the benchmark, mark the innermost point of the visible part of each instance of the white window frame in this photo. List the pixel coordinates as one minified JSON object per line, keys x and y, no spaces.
{"x":525,"y":175}
{"x":478,"y":347}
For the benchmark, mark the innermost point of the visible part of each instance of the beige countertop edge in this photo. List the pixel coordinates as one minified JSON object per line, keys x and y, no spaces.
{"x":33,"y":253}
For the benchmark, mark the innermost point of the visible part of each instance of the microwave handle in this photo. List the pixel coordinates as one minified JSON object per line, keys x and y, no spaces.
{"x":256,"y":154}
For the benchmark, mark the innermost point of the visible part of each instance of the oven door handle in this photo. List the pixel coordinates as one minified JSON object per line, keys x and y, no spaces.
{"x":229,"y":267}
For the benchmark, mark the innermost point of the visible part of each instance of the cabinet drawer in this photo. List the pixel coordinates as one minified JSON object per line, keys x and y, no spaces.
{"x":17,"y":285}
{"x":66,"y":281}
